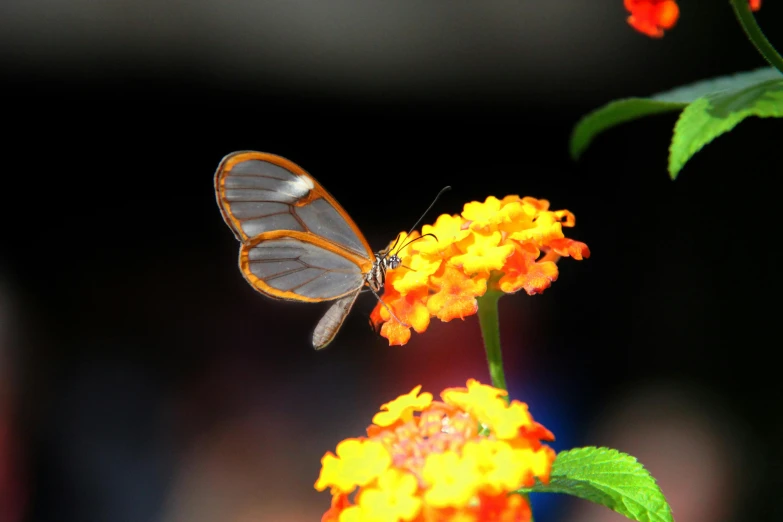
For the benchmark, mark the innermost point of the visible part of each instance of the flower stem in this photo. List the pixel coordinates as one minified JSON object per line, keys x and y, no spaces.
{"x":754,"y":33}
{"x":490,"y":331}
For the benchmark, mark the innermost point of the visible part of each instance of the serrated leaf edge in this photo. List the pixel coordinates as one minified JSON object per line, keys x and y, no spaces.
{"x":664,"y":511}
{"x":675,"y":172}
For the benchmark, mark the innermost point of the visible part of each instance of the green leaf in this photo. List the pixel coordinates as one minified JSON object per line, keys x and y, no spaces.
{"x":612,"y":114}
{"x":714,"y":114}
{"x":610,"y":478}
{"x":691,"y":92}
{"x":621,"y":111}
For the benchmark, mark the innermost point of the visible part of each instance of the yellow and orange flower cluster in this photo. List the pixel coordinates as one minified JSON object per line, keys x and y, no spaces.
{"x":653,"y":17}
{"x":426,"y":460}
{"x":517,"y":239}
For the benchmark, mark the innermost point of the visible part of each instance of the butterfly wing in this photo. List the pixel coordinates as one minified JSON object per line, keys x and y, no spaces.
{"x":259,"y":192}
{"x":298,"y":266}
{"x":297,"y":242}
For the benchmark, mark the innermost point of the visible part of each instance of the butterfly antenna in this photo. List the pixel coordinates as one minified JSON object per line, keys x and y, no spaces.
{"x":414,"y":240}
{"x":391,"y":248}
{"x":444,"y":189}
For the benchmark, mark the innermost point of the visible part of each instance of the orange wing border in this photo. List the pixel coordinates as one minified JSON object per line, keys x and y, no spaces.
{"x":227,"y":164}
{"x":365,"y":265}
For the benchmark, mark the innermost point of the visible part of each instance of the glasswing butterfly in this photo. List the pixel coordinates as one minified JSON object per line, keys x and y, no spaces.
{"x":297,"y":242}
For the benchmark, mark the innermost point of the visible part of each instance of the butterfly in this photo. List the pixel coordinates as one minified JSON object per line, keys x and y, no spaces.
{"x":297,"y":242}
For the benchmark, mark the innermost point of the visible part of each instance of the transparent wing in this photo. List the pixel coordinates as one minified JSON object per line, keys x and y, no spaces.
{"x":332,"y":320}
{"x":259,"y":192}
{"x":290,"y":265}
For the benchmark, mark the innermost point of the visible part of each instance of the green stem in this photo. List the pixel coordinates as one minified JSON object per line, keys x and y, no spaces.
{"x":754,"y":33}
{"x":490,"y":331}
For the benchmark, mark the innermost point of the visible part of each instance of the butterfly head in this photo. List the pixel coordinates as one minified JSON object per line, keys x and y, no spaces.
{"x":391,"y":262}
{"x":384,"y":261}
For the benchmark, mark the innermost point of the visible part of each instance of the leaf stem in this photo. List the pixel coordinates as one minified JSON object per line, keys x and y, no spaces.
{"x":490,"y":331}
{"x":755,"y":34}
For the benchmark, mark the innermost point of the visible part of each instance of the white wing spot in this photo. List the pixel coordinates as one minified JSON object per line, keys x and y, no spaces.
{"x":296,"y":188}
{"x":305,"y":183}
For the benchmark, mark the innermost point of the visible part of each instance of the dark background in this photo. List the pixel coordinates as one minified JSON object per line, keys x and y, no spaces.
{"x":144,"y":380}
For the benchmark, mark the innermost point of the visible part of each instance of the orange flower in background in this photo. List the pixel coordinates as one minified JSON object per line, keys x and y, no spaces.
{"x":452,"y":460}
{"x":652,"y":17}
{"x":517,"y":240}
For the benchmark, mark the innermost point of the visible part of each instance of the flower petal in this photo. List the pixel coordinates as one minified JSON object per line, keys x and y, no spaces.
{"x":483,"y":254}
{"x":570,"y":248}
{"x":456,"y":295}
{"x":524,"y":272}
{"x":357,"y":462}
{"x":482,"y":214}
{"x":451,"y":480}
{"x":414,"y":276}
{"x":447,"y":231}
{"x":396,"y":333}
{"x":395,"y":498}
{"x":402,"y":407}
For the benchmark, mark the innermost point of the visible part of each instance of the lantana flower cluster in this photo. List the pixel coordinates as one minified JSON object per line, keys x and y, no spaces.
{"x":423,"y":460}
{"x":653,"y":17}
{"x":517,"y":239}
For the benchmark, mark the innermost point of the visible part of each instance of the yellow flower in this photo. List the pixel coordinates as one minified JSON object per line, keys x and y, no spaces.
{"x":507,"y":420}
{"x":394,"y":498}
{"x":437,"y":464}
{"x":421,"y":268}
{"x":483,"y":215}
{"x":483,"y":252}
{"x":357,"y":463}
{"x":503,"y":466}
{"x":447,"y":231}
{"x":451,"y":479}
{"x":444,"y":271}
{"x":402,"y":408}
{"x":488,"y":405}
{"x":475,"y":398}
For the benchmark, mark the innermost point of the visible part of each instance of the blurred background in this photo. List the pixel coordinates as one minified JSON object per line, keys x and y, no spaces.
{"x":142,"y":379}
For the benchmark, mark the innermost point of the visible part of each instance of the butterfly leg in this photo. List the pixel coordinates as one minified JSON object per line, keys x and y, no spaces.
{"x":406,"y":325}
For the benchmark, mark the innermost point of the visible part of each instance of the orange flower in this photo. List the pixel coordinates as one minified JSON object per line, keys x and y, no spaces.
{"x":452,"y":460}
{"x":652,"y":17}
{"x":506,"y":245}
{"x":755,"y":5}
